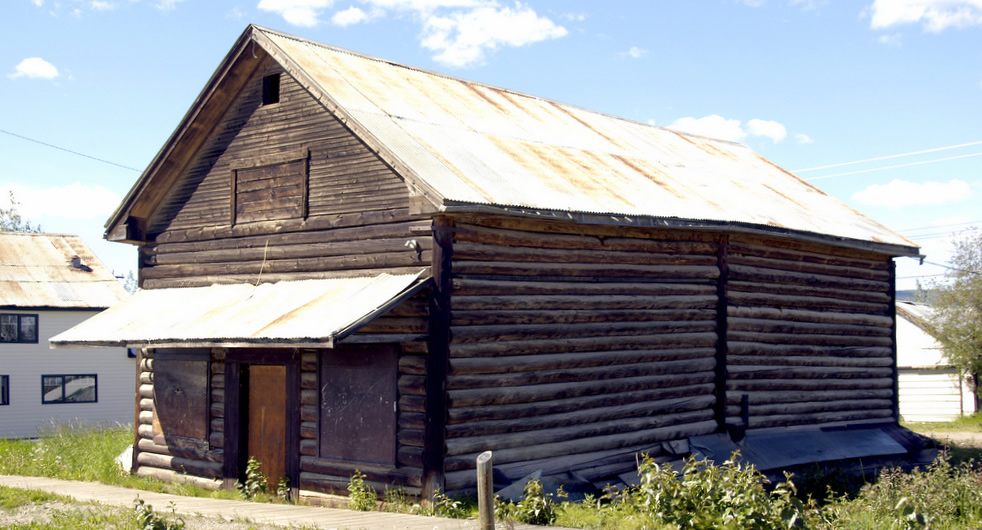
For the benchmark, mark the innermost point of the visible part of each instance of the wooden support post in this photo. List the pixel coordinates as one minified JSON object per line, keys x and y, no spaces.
{"x":437,"y":360}
{"x":722,"y":351}
{"x":893,"y":316}
{"x":485,"y":492}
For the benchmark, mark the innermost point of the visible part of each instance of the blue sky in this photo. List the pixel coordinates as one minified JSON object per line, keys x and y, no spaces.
{"x":91,"y":89}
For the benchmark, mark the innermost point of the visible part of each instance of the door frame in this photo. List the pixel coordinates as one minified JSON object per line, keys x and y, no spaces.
{"x":237,"y":360}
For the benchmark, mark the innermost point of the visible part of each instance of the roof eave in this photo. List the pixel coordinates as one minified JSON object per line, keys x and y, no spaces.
{"x":616,"y":219}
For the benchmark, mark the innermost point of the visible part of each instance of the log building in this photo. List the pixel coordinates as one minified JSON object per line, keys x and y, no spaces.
{"x":351,"y":264}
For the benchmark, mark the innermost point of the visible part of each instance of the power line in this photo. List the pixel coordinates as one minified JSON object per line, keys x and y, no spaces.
{"x":68,"y":150}
{"x":894,"y":166}
{"x":921,"y":152}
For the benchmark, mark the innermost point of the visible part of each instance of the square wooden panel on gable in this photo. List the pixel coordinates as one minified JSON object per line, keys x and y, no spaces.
{"x":271,"y":188}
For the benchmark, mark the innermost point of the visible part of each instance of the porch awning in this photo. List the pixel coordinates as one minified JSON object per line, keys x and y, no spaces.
{"x":306,"y":313}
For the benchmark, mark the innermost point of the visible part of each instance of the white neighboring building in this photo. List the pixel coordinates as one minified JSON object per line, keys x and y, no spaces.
{"x":930,"y":389}
{"x":49,"y":283}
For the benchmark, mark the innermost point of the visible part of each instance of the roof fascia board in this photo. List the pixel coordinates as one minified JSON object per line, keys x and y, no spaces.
{"x":329,"y":103}
{"x":670,"y":222}
{"x":184,"y":127}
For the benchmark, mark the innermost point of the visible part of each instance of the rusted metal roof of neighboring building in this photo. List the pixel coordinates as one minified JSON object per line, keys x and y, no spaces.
{"x":54,"y":271}
{"x":470,"y":144}
{"x":311,"y":313}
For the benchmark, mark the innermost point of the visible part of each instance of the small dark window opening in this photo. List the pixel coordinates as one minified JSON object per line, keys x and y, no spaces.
{"x":271,"y":89}
{"x":4,"y":389}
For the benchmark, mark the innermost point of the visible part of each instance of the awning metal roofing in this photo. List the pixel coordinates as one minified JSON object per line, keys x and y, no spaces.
{"x":307,"y":313}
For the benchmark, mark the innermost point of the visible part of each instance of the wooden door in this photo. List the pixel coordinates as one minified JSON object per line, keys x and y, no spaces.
{"x":267,"y":420}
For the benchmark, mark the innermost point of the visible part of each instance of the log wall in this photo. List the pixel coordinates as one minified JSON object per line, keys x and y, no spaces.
{"x":809,"y":334}
{"x":355,"y":217}
{"x":575,"y":351}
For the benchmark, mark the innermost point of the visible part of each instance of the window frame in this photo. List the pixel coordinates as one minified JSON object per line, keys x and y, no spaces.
{"x":4,"y":390}
{"x":20,"y":328}
{"x":63,"y":400}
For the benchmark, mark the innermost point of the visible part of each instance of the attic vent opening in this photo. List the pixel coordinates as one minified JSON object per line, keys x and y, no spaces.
{"x":271,"y":89}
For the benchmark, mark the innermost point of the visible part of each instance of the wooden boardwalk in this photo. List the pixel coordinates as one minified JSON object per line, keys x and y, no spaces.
{"x":275,"y":514}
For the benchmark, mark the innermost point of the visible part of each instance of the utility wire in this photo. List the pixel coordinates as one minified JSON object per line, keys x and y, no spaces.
{"x":912,"y":153}
{"x":894,"y":166}
{"x":68,"y":150}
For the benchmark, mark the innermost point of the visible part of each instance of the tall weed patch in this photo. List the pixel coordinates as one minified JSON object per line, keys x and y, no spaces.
{"x":71,"y":451}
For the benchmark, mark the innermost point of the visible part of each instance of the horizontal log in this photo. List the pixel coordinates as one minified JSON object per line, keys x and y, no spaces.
{"x":758,"y":348}
{"x":810,"y":339}
{"x":833,"y":298}
{"x":477,"y":287}
{"x":881,"y":274}
{"x":545,"y":361}
{"x":146,"y":363}
{"x":167,"y":475}
{"x":412,"y":403}
{"x":760,"y":274}
{"x":588,"y":373}
{"x":580,"y":302}
{"x":146,"y":404}
{"x":411,"y":420}
{"x":205,"y":281}
{"x":485,"y":252}
{"x":801,"y":360}
{"x":308,"y":429}
{"x":146,"y":378}
{"x":284,"y":251}
{"x":603,"y":270}
{"x":308,"y":413}
{"x":580,"y":344}
{"x":825,"y":328}
{"x":754,"y":243}
{"x":770,"y":409}
{"x":212,"y":455}
{"x":549,"y":392}
{"x":412,"y":364}
{"x":412,"y":385}
{"x":145,"y":416}
{"x":308,"y":397}
{"x":216,"y":439}
{"x":527,"y":237}
{"x":807,"y":372}
{"x":389,"y":324}
{"x":218,"y":380}
{"x":744,"y":385}
{"x":586,"y":445}
{"x":461,"y":419}
{"x":789,"y":396}
{"x":817,"y":420}
{"x":287,"y":266}
{"x":392,"y":476}
{"x":308,"y":380}
{"x":145,"y":391}
{"x":412,"y":437}
{"x":339,"y":485}
{"x":509,"y":332}
{"x":408,"y":456}
{"x":217,"y":395}
{"x":594,"y":416}
{"x":183,"y":465}
{"x":567,"y":316}
{"x":824,"y":317}
{"x":308,"y":360}
{"x":308,"y":447}
{"x":144,"y":431}
{"x":217,"y":424}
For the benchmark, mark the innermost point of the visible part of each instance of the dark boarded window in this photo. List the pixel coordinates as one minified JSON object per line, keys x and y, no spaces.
{"x":358,"y":404}
{"x":180,"y":398}
{"x":271,"y":89}
{"x":270,"y":191}
{"x":4,"y":389}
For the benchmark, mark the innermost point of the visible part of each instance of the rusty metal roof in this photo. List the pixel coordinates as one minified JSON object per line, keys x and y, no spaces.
{"x":466,"y":144}
{"x":314,"y":313}
{"x":37,"y":271}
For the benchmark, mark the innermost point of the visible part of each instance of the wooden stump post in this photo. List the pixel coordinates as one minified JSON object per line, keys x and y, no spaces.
{"x":485,"y":492}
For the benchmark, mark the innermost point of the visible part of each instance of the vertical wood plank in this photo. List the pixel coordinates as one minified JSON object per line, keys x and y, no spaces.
{"x":722,"y":350}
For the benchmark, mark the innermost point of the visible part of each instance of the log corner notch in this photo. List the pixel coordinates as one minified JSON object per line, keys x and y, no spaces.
{"x":722,"y":352}
{"x":438,"y":360}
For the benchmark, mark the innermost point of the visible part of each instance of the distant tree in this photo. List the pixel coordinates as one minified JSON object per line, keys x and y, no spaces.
{"x":956,"y":321}
{"x":130,"y":283}
{"x":11,"y":220}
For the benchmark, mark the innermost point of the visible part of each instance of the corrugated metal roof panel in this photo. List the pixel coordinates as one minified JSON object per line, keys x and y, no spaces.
{"x":36,"y":271}
{"x":477,"y":144}
{"x":290,"y":313}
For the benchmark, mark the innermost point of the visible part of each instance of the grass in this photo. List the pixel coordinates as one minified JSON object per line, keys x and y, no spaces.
{"x":971,"y":423}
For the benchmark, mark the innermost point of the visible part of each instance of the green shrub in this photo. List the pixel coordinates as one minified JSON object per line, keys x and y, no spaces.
{"x":147,"y":519}
{"x":536,"y":506}
{"x":361,"y":496}
{"x":255,"y":485}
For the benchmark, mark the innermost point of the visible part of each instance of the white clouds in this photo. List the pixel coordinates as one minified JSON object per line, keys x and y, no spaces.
{"x":168,"y":5}
{"x":769,"y":129}
{"x":716,"y":126}
{"x":636,"y":53}
{"x":459,"y":32}
{"x":34,"y":68}
{"x":463,"y":38}
{"x":934,"y":15}
{"x":349,"y":16}
{"x":38,"y":3}
{"x":900,"y":193}
{"x":304,"y":13}
{"x":74,"y":201}
{"x":803,"y":139}
{"x":100,"y":5}
{"x":893,"y":39}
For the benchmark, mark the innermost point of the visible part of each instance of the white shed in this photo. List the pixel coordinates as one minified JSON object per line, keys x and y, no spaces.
{"x":49,"y":283}
{"x":929,"y":388}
